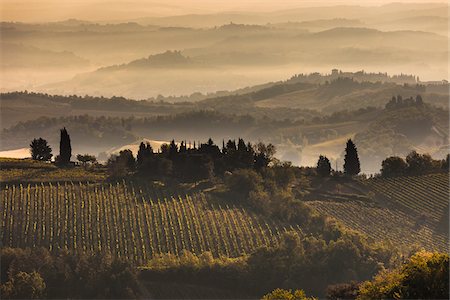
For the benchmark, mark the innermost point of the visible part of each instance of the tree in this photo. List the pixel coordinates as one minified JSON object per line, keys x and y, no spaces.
{"x":351,"y":160}
{"x":243,"y":181}
{"x":445,"y":163}
{"x":263,"y":155}
{"x":65,"y":149}
{"x":24,"y":285}
{"x":40,"y":150}
{"x":323,"y":166}
{"x":393,"y":166}
{"x":173,"y":150}
{"x":419,"y":164}
{"x":85,"y":159}
{"x":282,"y":294}
{"x":121,"y":165}
{"x":144,"y":155}
{"x":343,"y":291}
{"x":424,"y":276}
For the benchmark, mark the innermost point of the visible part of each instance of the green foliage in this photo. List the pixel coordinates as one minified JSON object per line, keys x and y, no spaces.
{"x":23,"y":285}
{"x":343,"y":291}
{"x":298,"y":262}
{"x":40,"y":150}
{"x":424,"y":276}
{"x":242,"y":182}
{"x":281,"y":294}
{"x":312,"y":263}
{"x":36,"y":273}
{"x":351,"y":160}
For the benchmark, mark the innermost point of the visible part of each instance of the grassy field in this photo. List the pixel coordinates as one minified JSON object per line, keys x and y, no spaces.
{"x":28,"y":170}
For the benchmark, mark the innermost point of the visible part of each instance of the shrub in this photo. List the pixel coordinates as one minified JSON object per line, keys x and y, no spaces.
{"x":424,"y":276}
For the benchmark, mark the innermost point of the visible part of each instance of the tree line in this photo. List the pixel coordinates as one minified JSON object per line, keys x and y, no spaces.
{"x":194,"y":162}
{"x":352,"y":165}
{"x":414,"y":164}
{"x":191,"y":162}
{"x":40,"y":150}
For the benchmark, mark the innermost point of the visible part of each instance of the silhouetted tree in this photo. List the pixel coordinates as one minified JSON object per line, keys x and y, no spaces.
{"x":86,"y":158}
{"x":231,"y":146}
{"x":393,"y":166}
{"x":351,"y":159}
{"x":40,"y":150}
{"x":182,"y":147}
{"x":210,"y":149}
{"x":245,"y":154}
{"x":173,"y":150}
{"x":165,"y":149}
{"x":65,"y":149}
{"x":445,"y":163}
{"x":144,"y":154}
{"x":419,"y":164}
{"x":224,"y":148}
{"x":121,"y":165}
{"x":263,"y":155}
{"x":323,"y":166}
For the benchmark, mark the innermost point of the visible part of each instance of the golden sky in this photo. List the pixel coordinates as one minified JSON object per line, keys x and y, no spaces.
{"x":110,"y":10}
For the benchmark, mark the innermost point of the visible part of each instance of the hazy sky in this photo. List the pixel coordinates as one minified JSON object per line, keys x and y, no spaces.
{"x":56,"y":10}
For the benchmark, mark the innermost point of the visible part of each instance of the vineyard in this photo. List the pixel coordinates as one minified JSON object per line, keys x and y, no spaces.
{"x":383,"y":224}
{"x":427,"y":195}
{"x":133,"y":222}
{"x":408,"y":211}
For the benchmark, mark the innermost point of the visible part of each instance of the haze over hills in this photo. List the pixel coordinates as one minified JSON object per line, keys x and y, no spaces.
{"x":236,"y":49}
{"x":256,"y":55}
{"x":302,"y":116}
{"x":231,"y":63}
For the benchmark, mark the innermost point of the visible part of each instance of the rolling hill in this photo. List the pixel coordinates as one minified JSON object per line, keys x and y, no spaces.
{"x":130,"y":221}
{"x":407,"y":211}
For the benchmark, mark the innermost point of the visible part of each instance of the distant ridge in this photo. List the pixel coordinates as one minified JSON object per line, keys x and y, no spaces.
{"x":161,"y":60}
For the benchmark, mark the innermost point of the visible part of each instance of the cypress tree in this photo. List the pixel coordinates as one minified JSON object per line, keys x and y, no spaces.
{"x":351,"y":160}
{"x":323,"y":166}
{"x":65,"y":149}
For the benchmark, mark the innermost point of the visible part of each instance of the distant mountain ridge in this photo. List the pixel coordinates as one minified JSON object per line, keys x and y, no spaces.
{"x":168,"y":59}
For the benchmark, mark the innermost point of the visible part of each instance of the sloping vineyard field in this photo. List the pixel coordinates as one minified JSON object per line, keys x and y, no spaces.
{"x":408,"y":211}
{"x":427,"y":195}
{"x":384,"y":225}
{"x":133,"y":222}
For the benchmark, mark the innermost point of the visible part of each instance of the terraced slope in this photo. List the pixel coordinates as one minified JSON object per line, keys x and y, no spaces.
{"x":427,"y":195}
{"x":383,"y":224}
{"x":406,"y":211}
{"x":128,"y":221}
